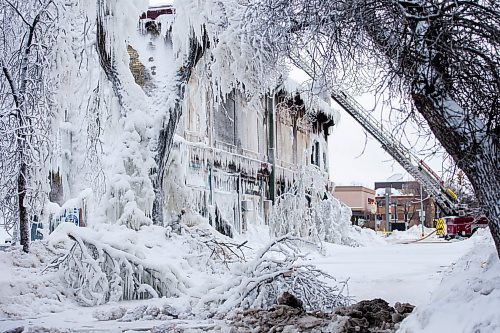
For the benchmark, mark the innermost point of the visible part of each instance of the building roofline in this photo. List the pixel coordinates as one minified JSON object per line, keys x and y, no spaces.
{"x":346,"y":188}
{"x":160,"y":7}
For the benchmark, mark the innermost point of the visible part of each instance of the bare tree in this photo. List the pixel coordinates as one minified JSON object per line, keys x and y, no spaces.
{"x":25,"y":42}
{"x":443,"y":55}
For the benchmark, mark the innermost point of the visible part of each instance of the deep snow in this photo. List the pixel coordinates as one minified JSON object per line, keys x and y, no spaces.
{"x":466,"y":298}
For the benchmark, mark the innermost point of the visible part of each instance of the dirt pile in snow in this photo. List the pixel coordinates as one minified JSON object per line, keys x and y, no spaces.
{"x":284,"y":318}
{"x":368,"y":316}
{"x":373,"y":316}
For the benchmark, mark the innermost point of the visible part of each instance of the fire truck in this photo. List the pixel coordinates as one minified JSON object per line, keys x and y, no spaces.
{"x":463,"y":226}
{"x":459,"y":221}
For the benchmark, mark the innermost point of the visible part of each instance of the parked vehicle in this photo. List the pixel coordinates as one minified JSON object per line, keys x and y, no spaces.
{"x":463,"y":226}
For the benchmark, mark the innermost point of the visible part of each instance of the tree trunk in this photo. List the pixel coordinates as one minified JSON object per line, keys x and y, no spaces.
{"x":474,"y":154}
{"x":166,"y":136}
{"x":423,"y":65}
{"x":165,"y":141}
{"x":22,"y":115}
{"x":24,"y":227}
{"x":106,"y":60}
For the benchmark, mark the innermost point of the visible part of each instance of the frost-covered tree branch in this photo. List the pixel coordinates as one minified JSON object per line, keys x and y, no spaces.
{"x":275,"y":269}
{"x":307,"y":210}
{"x":103,"y":135}
{"x":29,"y":30}
{"x":98,"y":273}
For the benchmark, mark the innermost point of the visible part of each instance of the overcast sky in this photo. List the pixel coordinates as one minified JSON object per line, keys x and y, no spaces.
{"x":356,"y":158}
{"x":160,"y":2}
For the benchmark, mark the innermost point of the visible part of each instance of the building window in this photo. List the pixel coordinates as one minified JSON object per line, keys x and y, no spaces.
{"x":315,"y":153}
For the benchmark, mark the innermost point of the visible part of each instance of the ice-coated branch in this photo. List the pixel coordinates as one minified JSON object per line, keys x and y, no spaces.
{"x":276,"y":269}
{"x":310,"y":212}
{"x":98,"y":273}
{"x":225,"y":252}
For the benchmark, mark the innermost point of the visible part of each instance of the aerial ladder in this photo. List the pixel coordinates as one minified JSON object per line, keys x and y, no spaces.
{"x":444,"y":197}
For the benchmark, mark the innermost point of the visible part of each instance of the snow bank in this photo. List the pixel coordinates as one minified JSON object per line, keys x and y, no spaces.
{"x":23,"y":291}
{"x":364,"y":237}
{"x":412,"y":233}
{"x":468,"y":298}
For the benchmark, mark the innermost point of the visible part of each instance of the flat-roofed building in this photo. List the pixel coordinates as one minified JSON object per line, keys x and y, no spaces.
{"x":362,"y":202}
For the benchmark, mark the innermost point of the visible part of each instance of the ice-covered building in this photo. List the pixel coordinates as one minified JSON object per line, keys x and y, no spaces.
{"x":239,"y":157}
{"x":234,"y":155}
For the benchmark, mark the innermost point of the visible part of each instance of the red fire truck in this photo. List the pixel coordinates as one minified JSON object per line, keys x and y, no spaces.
{"x":463,"y":226}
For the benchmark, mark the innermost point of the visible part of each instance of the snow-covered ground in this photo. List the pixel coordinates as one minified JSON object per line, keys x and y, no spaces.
{"x":454,"y":285}
{"x":412,"y":234}
{"x":394,"y":272}
{"x":468,"y":297}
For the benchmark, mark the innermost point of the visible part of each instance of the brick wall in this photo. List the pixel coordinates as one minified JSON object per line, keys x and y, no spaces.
{"x":136,"y":67}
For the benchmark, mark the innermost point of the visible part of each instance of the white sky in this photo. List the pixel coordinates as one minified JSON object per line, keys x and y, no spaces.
{"x":160,"y":2}
{"x":353,"y":163}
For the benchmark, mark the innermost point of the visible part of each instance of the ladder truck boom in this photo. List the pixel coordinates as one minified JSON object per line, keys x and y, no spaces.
{"x":430,"y":181}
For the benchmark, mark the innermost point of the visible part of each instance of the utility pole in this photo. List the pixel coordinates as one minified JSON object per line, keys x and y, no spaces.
{"x":422,"y":212}
{"x":387,"y":217}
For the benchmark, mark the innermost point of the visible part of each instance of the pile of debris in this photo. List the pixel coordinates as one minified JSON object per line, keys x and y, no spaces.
{"x":373,"y":316}
{"x":284,"y":318}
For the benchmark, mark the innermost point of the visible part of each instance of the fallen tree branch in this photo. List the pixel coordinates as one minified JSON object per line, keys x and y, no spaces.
{"x":276,"y":270}
{"x":99,"y":273}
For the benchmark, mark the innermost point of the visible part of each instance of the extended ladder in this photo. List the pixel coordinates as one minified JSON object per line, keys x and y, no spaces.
{"x":445,"y":198}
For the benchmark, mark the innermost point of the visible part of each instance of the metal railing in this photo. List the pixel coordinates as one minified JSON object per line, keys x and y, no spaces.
{"x":200,"y":154}
{"x":193,"y":136}
{"x":229,"y":156}
{"x":226,"y":147}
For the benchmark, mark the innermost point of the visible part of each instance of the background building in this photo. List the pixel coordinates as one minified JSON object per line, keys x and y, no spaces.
{"x":362,"y":202}
{"x":405,"y":205}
